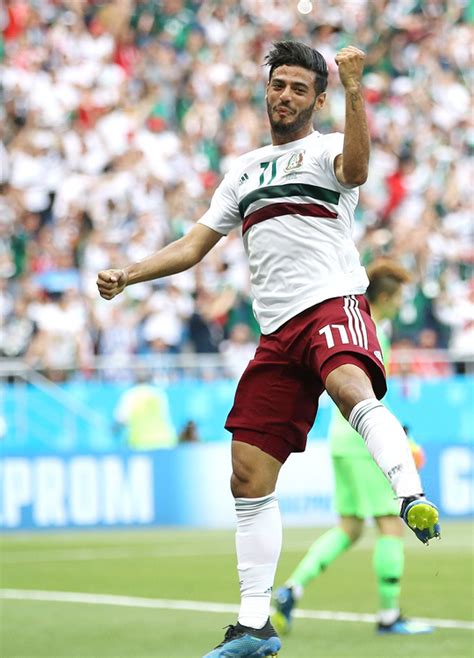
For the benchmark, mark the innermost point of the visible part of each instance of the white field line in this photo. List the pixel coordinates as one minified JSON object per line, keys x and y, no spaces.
{"x":107,"y":553}
{"x":199,"y":606}
{"x":23,"y":555}
{"x":119,"y":553}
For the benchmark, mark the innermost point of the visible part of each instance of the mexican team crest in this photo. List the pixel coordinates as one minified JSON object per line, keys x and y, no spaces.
{"x":295,"y":161}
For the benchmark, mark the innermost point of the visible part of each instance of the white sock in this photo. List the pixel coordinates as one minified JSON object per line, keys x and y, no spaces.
{"x":388,"y":617}
{"x":258,"y":543}
{"x":388,"y":445}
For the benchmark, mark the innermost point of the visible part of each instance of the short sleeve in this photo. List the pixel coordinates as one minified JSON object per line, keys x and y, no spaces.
{"x":332,"y":146}
{"x":223,"y":214}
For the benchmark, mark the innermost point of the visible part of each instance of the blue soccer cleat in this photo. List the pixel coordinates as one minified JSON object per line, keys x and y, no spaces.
{"x":403,"y":626}
{"x":244,"y":642}
{"x":422,"y":517}
{"x":284,"y":604}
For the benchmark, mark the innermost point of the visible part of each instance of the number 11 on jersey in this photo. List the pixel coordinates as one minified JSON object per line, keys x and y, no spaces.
{"x":264,"y":166}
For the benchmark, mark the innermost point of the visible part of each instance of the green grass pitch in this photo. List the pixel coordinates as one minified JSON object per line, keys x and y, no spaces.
{"x":192,"y":565}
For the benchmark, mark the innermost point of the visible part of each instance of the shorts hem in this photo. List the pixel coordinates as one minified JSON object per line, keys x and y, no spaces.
{"x":271,"y":444}
{"x":366,"y":362}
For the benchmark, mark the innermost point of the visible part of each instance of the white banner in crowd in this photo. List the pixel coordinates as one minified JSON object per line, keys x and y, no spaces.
{"x":189,"y":486}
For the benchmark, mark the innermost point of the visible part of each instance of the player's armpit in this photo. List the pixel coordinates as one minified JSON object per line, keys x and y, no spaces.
{"x":339,"y":171}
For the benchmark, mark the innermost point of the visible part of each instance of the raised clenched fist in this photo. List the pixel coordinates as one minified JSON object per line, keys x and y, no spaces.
{"x":350,"y":62}
{"x":111,"y":283}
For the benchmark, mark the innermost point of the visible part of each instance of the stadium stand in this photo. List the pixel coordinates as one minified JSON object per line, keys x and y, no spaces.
{"x":119,"y":119}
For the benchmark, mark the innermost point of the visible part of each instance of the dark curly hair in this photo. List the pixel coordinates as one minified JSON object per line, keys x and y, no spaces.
{"x":295,"y":53}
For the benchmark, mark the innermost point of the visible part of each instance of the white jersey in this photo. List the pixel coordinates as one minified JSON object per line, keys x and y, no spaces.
{"x":296,"y":221}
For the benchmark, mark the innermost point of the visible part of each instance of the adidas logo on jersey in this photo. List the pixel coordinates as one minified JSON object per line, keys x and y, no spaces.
{"x":243,"y":178}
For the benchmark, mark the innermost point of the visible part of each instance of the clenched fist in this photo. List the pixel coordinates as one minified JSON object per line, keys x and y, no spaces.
{"x":350,"y":62}
{"x":111,"y":283}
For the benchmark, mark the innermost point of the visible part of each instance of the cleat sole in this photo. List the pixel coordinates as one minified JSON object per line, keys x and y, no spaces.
{"x":422,"y":517}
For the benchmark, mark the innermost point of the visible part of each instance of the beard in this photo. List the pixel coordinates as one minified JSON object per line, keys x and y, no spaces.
{"x":289,"y":127}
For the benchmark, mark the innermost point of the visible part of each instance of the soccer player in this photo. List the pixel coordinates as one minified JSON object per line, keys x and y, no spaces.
{"x":294,"y":201}
{"x":361,"y":491}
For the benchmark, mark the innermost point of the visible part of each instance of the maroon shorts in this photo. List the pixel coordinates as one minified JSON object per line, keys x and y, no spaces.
{"x":277,"y":397}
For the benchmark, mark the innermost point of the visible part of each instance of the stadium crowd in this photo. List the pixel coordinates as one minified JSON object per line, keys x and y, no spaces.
{"x":119,"y":119}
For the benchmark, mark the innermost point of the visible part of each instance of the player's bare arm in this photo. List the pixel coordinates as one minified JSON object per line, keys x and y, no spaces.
{"x":175,"y":257}
{"x":351,"y":167}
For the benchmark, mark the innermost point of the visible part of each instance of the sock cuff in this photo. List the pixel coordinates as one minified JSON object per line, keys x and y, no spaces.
{"x":256,"y":504}
{"x":361,"y":409}
{"x":389,"y":540}
{"x":389,"y":558}
{"x":342,"y":536}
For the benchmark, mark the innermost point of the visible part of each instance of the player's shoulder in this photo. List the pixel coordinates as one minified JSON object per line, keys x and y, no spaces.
{"x":243,"y":161}
{"x":255,"y":154}
{"x":327,"y":140}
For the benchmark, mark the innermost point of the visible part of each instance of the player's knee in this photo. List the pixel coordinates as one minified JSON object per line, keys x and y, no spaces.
{"x":355,"y":535}
{"x":254,"y":473}
{"x":348,"y":394}
{"x":353,"y":528}
{"x":391,"y":526}
{"x":248,"y":482}
{"x":348,"y":387}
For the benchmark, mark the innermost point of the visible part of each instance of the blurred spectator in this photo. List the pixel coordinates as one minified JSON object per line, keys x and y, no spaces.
{"x":422,"y":360}
{"x":189,"y":433}
{"x":238,"y":350}
{"x":166,"y":312}
{"x":61,"y":344}
{"x":458,"y":312}
{"x":16,"y":330}
{"x":143,"y":412}
{"x":119,"y":118}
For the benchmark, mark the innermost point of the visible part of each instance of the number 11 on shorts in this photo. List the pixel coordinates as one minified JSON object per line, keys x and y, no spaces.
{"x":329,"y":335}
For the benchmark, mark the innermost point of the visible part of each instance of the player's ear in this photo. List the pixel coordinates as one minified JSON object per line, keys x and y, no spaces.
{"x":320,"y":101}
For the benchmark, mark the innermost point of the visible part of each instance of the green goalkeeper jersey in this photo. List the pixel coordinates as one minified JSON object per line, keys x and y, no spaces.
{"x":343,"y":440}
